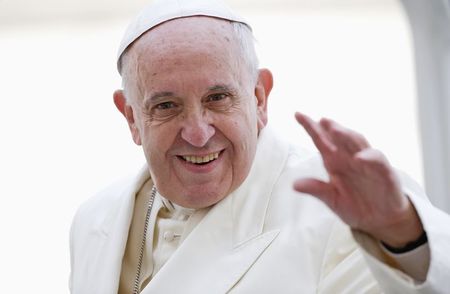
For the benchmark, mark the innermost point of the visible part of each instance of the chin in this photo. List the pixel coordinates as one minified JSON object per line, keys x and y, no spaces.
{"x":201,"y":199}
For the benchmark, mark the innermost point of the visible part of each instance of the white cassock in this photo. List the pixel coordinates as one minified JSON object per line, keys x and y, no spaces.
{"x":262,"y":238}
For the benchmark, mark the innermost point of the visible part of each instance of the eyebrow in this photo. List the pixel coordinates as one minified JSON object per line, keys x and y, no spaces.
{"x":220,"y":88}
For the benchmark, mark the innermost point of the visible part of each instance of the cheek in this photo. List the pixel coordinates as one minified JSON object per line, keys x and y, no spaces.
{"x":251,"y":123}
{"x":244,"y":149}
{"x":243,"y":136}
{"x":156,"y":142}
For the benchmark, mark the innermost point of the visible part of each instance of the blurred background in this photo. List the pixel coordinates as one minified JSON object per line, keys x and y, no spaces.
{"x":360,"y":62}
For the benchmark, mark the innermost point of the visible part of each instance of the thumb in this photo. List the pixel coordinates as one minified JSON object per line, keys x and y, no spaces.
{"x":319,"y":189}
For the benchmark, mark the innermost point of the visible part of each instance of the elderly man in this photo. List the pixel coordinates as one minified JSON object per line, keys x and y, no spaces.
{"x":215,"y":211}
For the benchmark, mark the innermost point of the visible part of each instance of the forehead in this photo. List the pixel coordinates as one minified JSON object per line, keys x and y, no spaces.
{"x":184,"y":36}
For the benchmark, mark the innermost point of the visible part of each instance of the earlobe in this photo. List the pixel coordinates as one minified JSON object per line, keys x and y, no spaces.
{"x":262,"y":92}
{"x":127,"y":111}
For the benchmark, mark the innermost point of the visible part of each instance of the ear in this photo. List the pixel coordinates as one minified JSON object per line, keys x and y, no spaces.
{"x":121,"y":103}
{"x":262,"y":90}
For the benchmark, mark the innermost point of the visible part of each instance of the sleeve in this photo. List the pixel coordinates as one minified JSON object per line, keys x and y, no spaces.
{"x":415,"y":263}
{"x":436,"y":223}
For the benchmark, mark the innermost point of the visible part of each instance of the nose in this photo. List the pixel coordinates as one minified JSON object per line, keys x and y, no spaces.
{"x":197,"y":130}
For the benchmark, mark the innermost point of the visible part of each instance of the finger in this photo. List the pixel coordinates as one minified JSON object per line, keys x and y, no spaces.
{"x":316,"y":132}
{"x":322,"y":190}
{"x":373,"y":161}
{"x":344,"y":138}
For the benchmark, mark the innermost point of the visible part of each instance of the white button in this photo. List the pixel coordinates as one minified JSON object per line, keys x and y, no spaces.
{"x":169,"y":236}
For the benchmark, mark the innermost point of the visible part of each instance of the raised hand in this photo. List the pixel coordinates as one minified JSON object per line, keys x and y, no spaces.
{"x":363,"y":190}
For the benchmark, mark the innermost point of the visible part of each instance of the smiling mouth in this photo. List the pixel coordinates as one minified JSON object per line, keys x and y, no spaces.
{"x":200,"y":160}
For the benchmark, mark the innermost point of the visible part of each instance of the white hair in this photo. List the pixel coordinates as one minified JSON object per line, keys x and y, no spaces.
{"x":246,"y":40}
{"x":244,"y":36}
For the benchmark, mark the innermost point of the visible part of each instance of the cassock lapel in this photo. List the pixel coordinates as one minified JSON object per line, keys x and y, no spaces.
{"x":113,"y":239}
{"x":231,"y":237}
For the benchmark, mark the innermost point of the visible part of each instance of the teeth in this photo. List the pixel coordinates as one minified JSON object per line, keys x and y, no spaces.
{"x":201,"y":159}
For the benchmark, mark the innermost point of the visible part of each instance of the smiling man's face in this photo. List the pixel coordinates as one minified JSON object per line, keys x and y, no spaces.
{"x":195,"y":107}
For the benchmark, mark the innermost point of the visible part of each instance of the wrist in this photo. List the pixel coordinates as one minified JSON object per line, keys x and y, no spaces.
{"x":423,"y":239}
{"x":405,"y":230}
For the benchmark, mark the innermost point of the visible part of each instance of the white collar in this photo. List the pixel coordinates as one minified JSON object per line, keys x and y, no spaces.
{"x":176,"y":211}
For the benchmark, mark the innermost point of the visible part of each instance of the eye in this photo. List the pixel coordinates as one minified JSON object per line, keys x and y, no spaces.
{"x":165,"y":105}
{"x":163,"y":111}
{"x":219,"y":102}
{"x":217,"y":97}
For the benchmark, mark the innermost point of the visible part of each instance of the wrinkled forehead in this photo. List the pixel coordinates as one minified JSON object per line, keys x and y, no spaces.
{"x":162,"y":11}
{"x":183,"y":35}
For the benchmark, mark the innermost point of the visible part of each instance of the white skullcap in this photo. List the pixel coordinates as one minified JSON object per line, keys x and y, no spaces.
{"x":164,"y":10}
